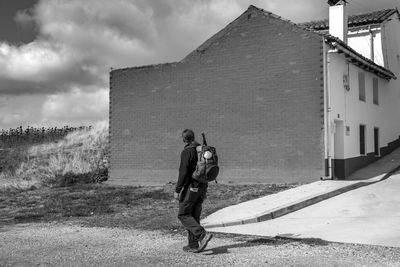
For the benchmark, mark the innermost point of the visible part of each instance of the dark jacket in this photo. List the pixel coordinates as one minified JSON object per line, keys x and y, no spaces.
{"x":187,"y":166}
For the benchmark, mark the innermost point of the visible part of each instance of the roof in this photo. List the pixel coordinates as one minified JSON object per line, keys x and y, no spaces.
{"x":204,"y":46}
{"x":146,"y":67}
{"x":375,"y":17}
{"x":358,"y":59}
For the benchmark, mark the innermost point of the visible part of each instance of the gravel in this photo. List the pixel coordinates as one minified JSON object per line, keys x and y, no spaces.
{"x":53,"y":244}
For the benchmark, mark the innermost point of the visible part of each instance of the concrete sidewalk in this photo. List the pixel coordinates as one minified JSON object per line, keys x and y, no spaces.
{"x":368,"y":215}
{"x":276,"y":205}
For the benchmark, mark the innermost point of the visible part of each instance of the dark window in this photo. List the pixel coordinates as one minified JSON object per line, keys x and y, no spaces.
{"x":376,"y":141}
{"x":362,"y":139}
{"x":361,"y":86}
{"x":376,"y":91}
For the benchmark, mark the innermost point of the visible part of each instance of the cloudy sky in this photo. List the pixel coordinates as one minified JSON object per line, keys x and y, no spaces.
{"x":55,"y":55}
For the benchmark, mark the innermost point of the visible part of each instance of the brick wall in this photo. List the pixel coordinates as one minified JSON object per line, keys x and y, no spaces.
{"x":255,"y":89}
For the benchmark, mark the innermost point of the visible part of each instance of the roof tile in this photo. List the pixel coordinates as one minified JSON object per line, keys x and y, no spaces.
{"x":374,"y":17}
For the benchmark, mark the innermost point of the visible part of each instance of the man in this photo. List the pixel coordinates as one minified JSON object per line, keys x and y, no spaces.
{"x":191,"y":195}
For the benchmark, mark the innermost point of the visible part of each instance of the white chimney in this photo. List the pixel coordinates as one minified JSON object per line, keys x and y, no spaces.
{"x":338,"y":19}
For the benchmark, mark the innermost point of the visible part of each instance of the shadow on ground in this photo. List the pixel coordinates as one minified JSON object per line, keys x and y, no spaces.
{"x":273,"y":241}
{"x":388,"y":163}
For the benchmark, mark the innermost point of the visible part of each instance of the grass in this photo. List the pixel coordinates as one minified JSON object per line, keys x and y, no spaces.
{"x":10,"y":159}
{"x":80,"y":156}
{"x":149,"y":208}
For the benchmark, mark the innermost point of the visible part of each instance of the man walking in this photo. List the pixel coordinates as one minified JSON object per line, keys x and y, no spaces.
{"x":191,"y":195}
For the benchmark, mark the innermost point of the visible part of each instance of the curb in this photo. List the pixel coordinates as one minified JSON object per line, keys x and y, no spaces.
{"x":390,"y":173}
{"x":291,"y":207}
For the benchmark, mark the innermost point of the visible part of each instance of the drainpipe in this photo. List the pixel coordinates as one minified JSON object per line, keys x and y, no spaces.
{"x":327,"y":111}
{"x":338,"y":23}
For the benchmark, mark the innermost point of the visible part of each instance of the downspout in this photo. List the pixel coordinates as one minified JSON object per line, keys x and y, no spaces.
{"x":327,"y":112}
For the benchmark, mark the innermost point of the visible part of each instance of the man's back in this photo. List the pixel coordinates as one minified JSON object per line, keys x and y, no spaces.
{"x":187,"y":165}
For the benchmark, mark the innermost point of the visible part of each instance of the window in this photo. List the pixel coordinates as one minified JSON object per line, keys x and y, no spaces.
{"x":362,"y":139}
{"x":375,"y":91}
{"x":361,"y":85}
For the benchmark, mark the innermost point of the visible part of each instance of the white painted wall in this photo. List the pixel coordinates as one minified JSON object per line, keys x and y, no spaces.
{"x":391,"y":48}
{"x":367,"y":113}
{"x":347,"y":107}
{"x":361,"y":42}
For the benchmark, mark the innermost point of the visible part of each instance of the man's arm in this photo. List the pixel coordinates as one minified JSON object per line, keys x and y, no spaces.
{"x":183,"y":171}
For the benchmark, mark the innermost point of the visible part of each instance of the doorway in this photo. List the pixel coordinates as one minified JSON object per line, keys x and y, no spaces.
{"x":376,"y":142}
{"x":339,"y":168}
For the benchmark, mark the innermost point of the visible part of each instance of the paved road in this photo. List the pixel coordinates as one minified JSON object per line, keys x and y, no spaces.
{"x":368,"y":215}
{"x":71,"y":245}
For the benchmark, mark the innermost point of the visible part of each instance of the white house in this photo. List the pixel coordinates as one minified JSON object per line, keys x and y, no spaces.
{"x":362,"y":92}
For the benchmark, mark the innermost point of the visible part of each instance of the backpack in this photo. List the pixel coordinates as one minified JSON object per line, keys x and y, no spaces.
{"x":207,"y":163}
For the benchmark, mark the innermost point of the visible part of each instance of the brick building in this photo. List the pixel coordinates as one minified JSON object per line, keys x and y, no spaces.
{"x":258,"y":89}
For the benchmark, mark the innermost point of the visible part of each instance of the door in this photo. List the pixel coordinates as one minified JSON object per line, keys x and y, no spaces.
{"x":376,"y":142}
{"x":338,"y":166}
{"x":362,"y":139}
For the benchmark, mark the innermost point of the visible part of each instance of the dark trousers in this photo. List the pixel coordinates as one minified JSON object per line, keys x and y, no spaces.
{"x":190,"y":205}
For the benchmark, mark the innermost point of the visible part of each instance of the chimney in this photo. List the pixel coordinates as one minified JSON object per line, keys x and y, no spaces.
{"x":338,"y":19}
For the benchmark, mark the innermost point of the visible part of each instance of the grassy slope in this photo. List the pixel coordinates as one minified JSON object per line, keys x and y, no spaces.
{"x":78,"y":155}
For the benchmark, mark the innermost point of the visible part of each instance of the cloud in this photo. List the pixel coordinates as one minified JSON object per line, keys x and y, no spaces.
{"x":42,"y":67}
{"x":79,"y":41}
{"x":76,"y":106}
{"x":20,"y":110}
{"x":77,"y":44}
{"x":24,"y":18}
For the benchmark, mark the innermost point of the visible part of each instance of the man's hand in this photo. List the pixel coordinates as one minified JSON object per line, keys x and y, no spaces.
{"x":176,"y":196}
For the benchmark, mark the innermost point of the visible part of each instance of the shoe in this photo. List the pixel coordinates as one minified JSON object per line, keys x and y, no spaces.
{"x":204,"y":241}
{"x":190,"y":249}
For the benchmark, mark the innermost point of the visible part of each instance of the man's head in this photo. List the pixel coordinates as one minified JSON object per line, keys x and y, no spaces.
{"x":188,"y":136}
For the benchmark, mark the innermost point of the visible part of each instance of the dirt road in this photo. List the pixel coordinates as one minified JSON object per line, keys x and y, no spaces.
{"x":51,"y":244}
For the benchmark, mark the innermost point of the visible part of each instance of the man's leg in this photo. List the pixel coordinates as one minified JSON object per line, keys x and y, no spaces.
{"x":205,"y":237}
{"x":197,"y":207}
{"x":197,"y":210}
{"x":185,"y":215}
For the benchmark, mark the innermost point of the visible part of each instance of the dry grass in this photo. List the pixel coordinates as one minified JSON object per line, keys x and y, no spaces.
{"x":82,"y":154}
